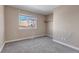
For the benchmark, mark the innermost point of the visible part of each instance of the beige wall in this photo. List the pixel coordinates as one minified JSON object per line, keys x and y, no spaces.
{"x":12,"y":30}
{"x":50,"y":25}
{"x":1,"y":25}
{"x":66,"y":25}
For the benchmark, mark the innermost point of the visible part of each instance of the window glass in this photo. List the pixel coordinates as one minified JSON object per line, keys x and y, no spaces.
{"x":27,"y":22}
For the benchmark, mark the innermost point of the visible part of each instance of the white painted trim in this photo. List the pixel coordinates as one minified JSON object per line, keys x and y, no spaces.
{"x":24,"y":38}
{"x":70,"y":46}
{"x":2,"y":47}
{"x":19,"y":40}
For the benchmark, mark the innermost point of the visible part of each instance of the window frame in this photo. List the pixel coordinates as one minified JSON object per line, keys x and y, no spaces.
{"x":35,"y":19}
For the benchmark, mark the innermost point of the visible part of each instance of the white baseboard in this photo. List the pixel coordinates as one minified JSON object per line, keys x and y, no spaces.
{"x":70,"y":46}
{"x":24,"y":38}
{"x":2,"y":47}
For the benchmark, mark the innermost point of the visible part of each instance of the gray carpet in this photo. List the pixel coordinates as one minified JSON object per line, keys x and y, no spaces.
{"x":37,"y":45}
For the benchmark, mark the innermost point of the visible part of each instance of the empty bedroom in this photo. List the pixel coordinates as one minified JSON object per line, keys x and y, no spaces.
{"x":39,"y":28}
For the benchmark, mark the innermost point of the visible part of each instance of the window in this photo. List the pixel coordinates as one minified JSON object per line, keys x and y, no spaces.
{"x":27,"y":22}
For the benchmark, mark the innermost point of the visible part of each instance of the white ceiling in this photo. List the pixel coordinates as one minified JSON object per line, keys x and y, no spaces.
{"x":41,"y":9}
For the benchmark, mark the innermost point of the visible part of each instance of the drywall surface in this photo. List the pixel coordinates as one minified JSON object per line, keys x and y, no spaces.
{"x":12,"y":24}
{"x":50,"y":25}
{"x":1,"y":26}
{"x":66,"y":25}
